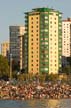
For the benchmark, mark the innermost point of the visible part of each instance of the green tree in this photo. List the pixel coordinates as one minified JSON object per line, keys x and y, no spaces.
{"x":67,"y":69}
{"x":53,"y":77}
{"x":4,"y":67}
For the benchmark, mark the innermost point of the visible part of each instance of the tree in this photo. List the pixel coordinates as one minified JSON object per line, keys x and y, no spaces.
{"x":4,"y":67}
{"x":67,"y":69}
{"x":53,"y":77}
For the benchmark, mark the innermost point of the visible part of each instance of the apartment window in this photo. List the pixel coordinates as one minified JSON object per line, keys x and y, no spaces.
{"x":31,"y":47}
{"x":32,"y":69}
{"x":36,"y":38}
{"x":31,"y":60}
{"x":37,"y":56}
{"x":55,"y":31}
{"x":32,"y":35}
{"x":37,"y":47}
{"x":37,"y":22}
{"x":32,"y":18}
{"x":46,"y":21}
{"x":64,"y":41}
{"x":51,"y":26}
{"x":31,"y":30}
{"x":37,"y":26}
{"x":50,"y":38}
{"x":50,"y":64}
{"x":46,"y":17}
{"x":36,"y":17}
{"x":31,"y":39}
{"x":32,"y":22}
{"x":31,"y":51}
{"x":18,"y":30}
{"x":51,"y":22}
{"x":31,"y":26}
{"x":32,"y":64}
{"x":36,"y":34}
{"x":37,"y":60}
{"x":31,"y":43}
{"x":51,"y":60}
{"x":37,"y":68}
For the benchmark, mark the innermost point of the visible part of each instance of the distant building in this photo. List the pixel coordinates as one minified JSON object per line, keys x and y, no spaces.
{"x":16,"y":34}
{"x":66,"y":40}
{"x":43,"y":41}
{"x":21,"y":49}
{"x":5,"y":49}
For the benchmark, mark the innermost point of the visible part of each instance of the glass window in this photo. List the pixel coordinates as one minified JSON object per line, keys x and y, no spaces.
{"x":36,"y":38}
{"x":36,"y":17}
{"x":31,"y":26}
{"x":31,"y":39}
{"x":32,"y":69}
{"x":31,"y":51}
{"x":31,"y":30}
{"x":37,"y":68}
{"x":31,"y":18}
{"x":37,"y":26}
{"x":37,"y":22}
{"x":31,"y":43}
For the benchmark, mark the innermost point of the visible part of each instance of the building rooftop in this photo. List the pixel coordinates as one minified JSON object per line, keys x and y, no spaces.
{"x":67,"y":20}
{"x":43,"y":9}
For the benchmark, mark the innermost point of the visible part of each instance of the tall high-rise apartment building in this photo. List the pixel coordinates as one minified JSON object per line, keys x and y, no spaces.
{"x":21,"y":50}
{"x":43,"y":41}
{"x":66,"y":39}
{"x":16,"y":34}
{"x":5,"y":49}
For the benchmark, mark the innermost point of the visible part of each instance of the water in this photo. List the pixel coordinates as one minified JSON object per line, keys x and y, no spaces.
{"x":36,"y":104}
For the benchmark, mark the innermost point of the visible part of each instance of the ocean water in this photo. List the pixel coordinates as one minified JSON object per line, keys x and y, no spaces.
{"x":64,"y":103}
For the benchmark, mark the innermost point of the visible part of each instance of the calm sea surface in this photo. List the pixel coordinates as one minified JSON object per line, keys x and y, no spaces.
{"x":36,"y":104}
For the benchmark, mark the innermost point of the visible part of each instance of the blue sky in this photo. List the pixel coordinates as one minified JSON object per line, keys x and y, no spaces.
{"x":12,"y":12}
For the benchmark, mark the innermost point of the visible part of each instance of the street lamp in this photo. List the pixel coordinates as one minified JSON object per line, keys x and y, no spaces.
{"x":10,"y":66}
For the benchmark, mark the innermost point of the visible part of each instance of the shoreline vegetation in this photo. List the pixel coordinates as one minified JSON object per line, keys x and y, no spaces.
{"x":34,"y":90}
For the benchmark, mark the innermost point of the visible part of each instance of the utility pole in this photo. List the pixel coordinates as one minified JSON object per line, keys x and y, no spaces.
{"x":10,"y":66}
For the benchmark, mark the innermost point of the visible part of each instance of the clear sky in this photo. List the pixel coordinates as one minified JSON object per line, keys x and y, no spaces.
{"x":12,"y":12}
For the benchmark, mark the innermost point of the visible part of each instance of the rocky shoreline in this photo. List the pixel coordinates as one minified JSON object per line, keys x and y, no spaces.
{"x":34,"y":90}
